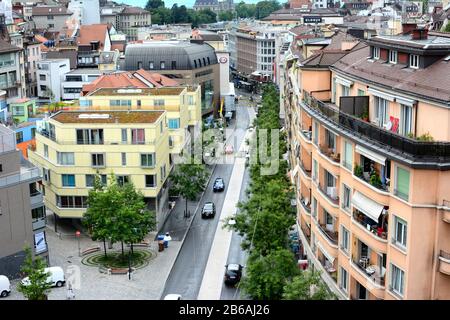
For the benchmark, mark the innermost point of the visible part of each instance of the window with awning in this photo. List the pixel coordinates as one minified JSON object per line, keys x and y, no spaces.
{"x":367,"y":206}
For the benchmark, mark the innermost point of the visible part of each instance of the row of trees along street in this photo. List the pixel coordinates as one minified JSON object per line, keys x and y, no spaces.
{"x":181,"y":14}
{"x":264,"y":221}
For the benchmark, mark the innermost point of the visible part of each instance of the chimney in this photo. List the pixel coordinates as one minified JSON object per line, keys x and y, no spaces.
{"x":419,"y":34}
{"x":408,"y":27}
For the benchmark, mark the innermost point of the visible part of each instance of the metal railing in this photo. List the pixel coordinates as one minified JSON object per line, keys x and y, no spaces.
{"x":24,"y":175}
{"x":377,"y":232}
{"x":331,"y":235}
{"x":371,"y":274}
{"x":444,"y":254}
{"x":324,"y":191}
{"x":418,"y":150}
{"x":307,"y":208}
{"x":329,"y":153}
{"x":380,"y":187}
{"x":307,"y":172}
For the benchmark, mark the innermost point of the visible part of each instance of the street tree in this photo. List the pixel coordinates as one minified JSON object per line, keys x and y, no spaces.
{"x":265,"y":8}
{"x":226,"y":16}
{"x":189,"y":179}
{"x":154,"y":4}
{"x":447,"y":27}
{"x":266,"y":276}
{"x":307,"y":286}
{"x":38,"y":287}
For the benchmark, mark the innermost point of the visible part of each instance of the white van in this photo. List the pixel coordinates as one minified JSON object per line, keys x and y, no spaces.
{"x":5,"y":286}
{"x":56,"y":277}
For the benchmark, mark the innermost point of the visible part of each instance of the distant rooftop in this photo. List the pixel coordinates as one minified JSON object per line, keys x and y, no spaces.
{"x":137,"y":92}
{"x":106,"y":117}
{"x":86,"y":71}
{"x":432,"y":41}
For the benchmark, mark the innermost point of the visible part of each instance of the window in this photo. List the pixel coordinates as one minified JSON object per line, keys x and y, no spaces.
{"x":209,"y":61}
{"x":124,"y":136}
{"x":45,"y":151}
{"x":346,"y":199}
{"x":68,"y":180}
{"x":170,"y":142}
{"x":148,"y":159}
{"x":405,"y":120}
{"x":393,"y":56}
{"x":46,"y":174}
{"x":361,"y":92}
{"x":414,"y":61}
{"x":314,"y":208}
{"x":397,"y":280}
{"x":345,"y":91}
{"x":163,"y":172}
{"x":381,"y":111}
{"x":50,"y":17}
{"x":159,"y":102}
{"x":51,"y":25}
{"x":65,"y":158}
{"x":90,"y":178}
{"x":343,"y":282}
{"x":19,"y":137}
{"x":150,"y":181}
{"x":139,"y":104}
{"x":333,"y":89}
{"x":98,"y":159}
{"x":402,"y":183}
{"x":315,"y":132}
{"x":121,"y":180}
{"x":161,"y":127}
{"x":348,"y":155}
{"x":120,"y":103}
{"x":400,"y":232}
{"x":331,"y":140}
{"x":43,"y":78}
{"x":315,"y":170}
{"x":33,"y":189}
{"x":195,"y":64}
{"x":151,"y":65}
{"x":200,"y":63}
{"x":190,"y":100}
{"x":71,"y":201}
{"x":163,"y":64}
{"x":376,"y":53}
{"x":174,"y":123}
{"x":139,"y":65}
{"x":38,"y":213}
{"x":138,"y":136}
{"x":345,"y":239}
{"x":174,"y":64}
{"x":124,"y":159}
{"x":89,"y":136}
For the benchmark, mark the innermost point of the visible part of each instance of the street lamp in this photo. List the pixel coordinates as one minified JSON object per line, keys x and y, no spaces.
{"x":77,"y":234}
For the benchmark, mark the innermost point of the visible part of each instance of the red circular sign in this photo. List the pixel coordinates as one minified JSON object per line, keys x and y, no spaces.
{"x":77,"y":233}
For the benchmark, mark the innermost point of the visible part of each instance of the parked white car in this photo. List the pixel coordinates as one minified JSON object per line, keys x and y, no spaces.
{"x":56,"y":277}
{"x":5,"y":286}
{"x":173,"y":296}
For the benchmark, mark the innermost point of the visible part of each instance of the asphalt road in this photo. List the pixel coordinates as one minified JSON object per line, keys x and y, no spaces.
{"x":187,"y":273}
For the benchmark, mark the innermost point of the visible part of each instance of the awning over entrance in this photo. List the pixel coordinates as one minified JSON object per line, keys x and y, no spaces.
{"x":367,"y":206}
{"x":371,"y":155}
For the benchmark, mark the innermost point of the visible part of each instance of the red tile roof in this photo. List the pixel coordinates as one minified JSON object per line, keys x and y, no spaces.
{"x":136,"y":79}
{"x":92,"y":32}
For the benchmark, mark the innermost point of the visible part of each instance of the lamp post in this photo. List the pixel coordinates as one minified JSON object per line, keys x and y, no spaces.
{"x":77,"y":234}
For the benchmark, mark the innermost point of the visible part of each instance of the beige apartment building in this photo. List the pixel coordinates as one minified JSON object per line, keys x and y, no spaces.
{"x":369,"y":134}
{"x":22,"y":210}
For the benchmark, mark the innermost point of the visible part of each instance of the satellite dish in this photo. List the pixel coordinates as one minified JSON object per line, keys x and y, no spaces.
{"x":389,"y":125}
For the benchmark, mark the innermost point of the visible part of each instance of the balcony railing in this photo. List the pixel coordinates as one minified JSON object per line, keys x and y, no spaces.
{"x":305,"y":206}
{"x":389,"y":141}
{"x":330,"y":235}
{"x":36,"y":197}
{"x":378,"y":232}
{"x":367,"y":179}
{"x":307,"y":232}
{"x":24,"y":175}
{"x":307,"y":172}
{"x":370,"y":271}
{"x":330,"y":154}
{"x":39,"y":223}
{"x":334,"y":198}
{"x":307,"y":134}
{"x":94,"y":142}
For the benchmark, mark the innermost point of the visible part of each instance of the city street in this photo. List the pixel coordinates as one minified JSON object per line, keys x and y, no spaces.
{"x":187,"y":273}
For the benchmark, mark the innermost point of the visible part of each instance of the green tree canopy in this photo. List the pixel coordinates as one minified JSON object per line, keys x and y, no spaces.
{"x":447,"y":27}
{"x":266,"y":276}
{"x":154,"y":4}
{"x":244,"y":10}
{"x":307,"y":286}
{"x":226,"y":16}
{"x":38,"y":287}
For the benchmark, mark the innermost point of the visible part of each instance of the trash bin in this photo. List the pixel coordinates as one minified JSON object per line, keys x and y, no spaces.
{"x":160,"y":242}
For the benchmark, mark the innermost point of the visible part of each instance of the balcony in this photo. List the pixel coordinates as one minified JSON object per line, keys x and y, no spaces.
{"x":306,"y":172}
{"x":306,"y":134}
{"x":372,"y":272}
{"x":306,"y":205}
{"x":419,"y":151}
{"x":370,"y":225}
{"x":306,"y":232}
{"x":38,"y":223}
{"x":330,"y":193}
{"x":47,"y":134}
{"x":373,"y":179}
{"x":332,"y":236}
{"x":446,"y":207}
{"x":36,"y":198}
{"x":330,"y":153}
{"x":25,"y":174}
{"x":444,"y":262}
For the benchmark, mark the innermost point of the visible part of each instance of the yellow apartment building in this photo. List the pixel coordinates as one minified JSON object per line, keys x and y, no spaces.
{"x":74,"y":146}
{"x":182,"y":106}
{"x":369,"y":135}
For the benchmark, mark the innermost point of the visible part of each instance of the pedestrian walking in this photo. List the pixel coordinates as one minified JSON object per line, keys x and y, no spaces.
{"x":167,"y":238}
{"x":70,"y":293}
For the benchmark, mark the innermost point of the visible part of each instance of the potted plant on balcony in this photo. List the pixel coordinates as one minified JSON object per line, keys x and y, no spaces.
{"x":358,"y":171}
{"x":365,"y":116}
{"x":375,"y":180}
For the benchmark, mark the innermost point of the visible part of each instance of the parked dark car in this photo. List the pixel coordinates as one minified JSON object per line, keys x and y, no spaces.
{"x":219,"y":185}
{"x":233,"y":273}
{"x":209,"y":210}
